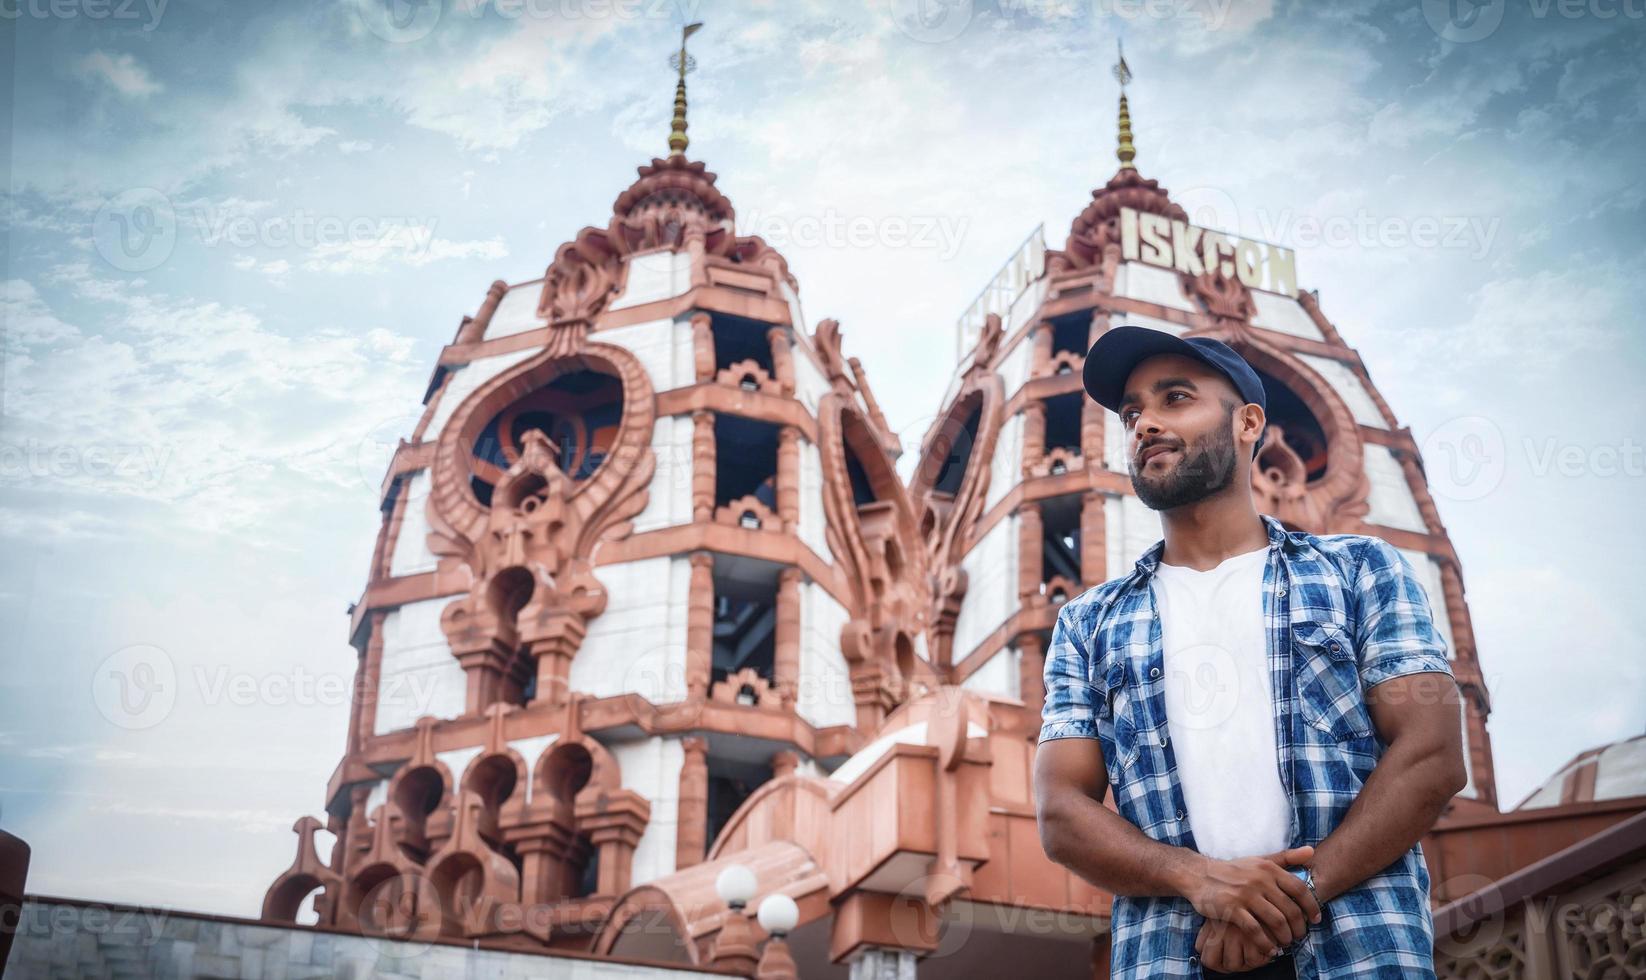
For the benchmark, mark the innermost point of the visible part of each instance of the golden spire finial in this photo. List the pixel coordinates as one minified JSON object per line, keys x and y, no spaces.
{"x":684,"y":63}
{"x":1123,"y":74}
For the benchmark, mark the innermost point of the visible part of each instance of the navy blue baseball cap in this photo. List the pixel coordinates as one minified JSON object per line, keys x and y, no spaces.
{"x":1111,"y":361}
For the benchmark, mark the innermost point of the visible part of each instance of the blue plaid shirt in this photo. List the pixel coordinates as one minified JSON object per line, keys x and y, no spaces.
{"x":1345,"y":612}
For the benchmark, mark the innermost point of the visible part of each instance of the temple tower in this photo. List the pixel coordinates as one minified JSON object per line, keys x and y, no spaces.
{"x":645,"y":549}
{"x":1022,"y":490}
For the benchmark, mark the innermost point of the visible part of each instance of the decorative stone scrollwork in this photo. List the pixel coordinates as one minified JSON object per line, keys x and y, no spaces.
{"x":529,"y":552}
{"x":307,"y":873}
{"x":1225,"y":297}
{"x":745,"y":686}
{"x":1057,"y":462}
{"x":878,"y":544}
{"x":748,"y":512}
{"x":749,"y":375}
{"x":1094,"y":236}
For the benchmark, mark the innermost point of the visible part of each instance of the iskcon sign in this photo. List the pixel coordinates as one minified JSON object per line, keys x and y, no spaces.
{"x":1161,"y":241}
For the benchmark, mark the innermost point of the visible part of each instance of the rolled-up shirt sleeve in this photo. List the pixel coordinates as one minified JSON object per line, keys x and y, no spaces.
{"x":1395,"y":631}
{"x":1070,"y":710}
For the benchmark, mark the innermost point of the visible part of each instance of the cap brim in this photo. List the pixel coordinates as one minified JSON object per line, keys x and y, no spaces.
{"x":1111,"y":360}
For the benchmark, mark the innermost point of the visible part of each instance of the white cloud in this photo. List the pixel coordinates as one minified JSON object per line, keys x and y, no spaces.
{"x":122,"y":72}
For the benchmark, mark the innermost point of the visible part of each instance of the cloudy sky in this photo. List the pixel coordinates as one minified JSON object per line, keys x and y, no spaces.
{"x":237,"y":235}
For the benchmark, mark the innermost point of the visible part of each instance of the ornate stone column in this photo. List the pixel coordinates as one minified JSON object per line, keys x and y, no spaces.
{"x":788,"y":477}
{"x":702,"y":347}
{"x":786,"y":658}
{"x":703,"y":464}
{"x":1031,"y":546}
{"x":1092,"y":449}
{"x":485,"y":660}
{"x":364,"y":710}
{"x":553,"y":650}
{"x":700,"y":626}
{"x":1040,"y":357}
{"x":1034,"y":434}
{"x":614,"y":822}
{"x":782,"y":358}
{"x":1031,"y":680}
{"x":1094,"y":557}
{"x":692,"y":822}
{"x":545,"y":850}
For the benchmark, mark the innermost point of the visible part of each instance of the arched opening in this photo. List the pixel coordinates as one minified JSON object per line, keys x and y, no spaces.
{"x":905,"y":660}
{"x":458,"y":880}
{"x":509,"y":592}
{"x":566,"y":771}
{"x":950,"y":452}
{"x":579,"y":412}
{"x":385,"y":902}
{"x":292,"y":900}
{"x":1300,"y":434}
{"x":417,"y":795}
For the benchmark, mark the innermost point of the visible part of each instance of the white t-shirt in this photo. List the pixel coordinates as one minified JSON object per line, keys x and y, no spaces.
{"x":1219,"y":709}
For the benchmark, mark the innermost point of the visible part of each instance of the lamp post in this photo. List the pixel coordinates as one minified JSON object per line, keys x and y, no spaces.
{"x":778,"y":915}
{"x":735,"y":948}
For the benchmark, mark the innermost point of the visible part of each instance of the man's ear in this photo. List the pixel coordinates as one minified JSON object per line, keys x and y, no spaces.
{"x":1251,"y":415}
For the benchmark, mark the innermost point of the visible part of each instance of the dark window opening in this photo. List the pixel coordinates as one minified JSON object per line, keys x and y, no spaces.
{"x":587,"y":877}
{"x":1069,"y":333}
{"x":1060,"y":549}
{"x":745,"y":460}
{"x":745,"y":622}
{"x":730,"y":784}
{"x":1301,"y":431}
{"x":579,"y":412}
{"x":862,"y":489}
{"x":953,"y":445}
{"x":1063,"y":422}
{"x":737,"y":339}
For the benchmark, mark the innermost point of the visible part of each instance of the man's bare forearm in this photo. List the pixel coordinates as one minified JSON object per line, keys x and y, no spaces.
{"x":1109,"y":851}
{"x":1400,"y":802}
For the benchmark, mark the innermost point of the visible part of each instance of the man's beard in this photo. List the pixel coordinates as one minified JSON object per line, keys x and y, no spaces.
{"x":1203,"y":468}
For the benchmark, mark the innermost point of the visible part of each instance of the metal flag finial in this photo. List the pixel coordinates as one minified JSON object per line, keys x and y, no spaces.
{"x":1123,"y":74}
{"x":683,"y":63}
